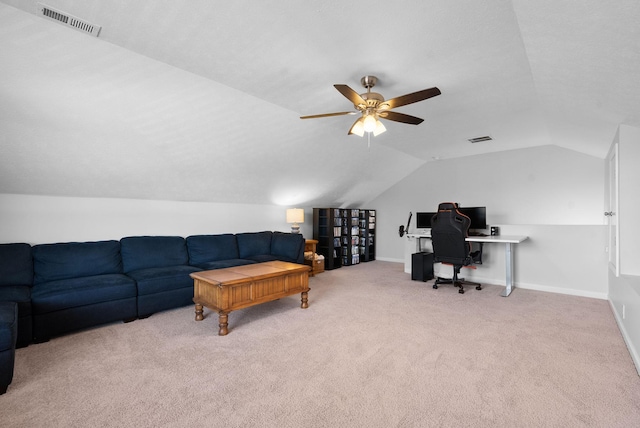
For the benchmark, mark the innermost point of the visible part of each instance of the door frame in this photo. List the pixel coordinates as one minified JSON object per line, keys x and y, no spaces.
{"x":613,"y":204}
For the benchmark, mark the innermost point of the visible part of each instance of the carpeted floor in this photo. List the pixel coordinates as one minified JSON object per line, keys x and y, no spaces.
{"x":374,"y":349}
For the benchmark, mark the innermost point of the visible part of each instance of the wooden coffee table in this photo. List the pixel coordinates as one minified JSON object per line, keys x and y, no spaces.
{"x":230,"y":289}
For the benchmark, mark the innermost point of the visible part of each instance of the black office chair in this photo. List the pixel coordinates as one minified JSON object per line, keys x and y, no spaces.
{"x":449,"y":229}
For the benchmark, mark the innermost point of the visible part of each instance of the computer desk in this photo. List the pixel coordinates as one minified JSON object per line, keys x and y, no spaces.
{"x":507,"y":240}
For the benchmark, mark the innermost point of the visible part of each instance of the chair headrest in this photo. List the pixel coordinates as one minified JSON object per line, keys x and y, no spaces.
{"x":447,"y":206}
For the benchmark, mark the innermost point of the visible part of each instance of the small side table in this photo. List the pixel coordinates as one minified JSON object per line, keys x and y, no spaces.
{"x":317,"y":266}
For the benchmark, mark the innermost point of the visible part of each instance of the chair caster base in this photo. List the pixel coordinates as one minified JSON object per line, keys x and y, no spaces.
{"x":479,"y":287}
{"x":461,"y":291}
{"x":435,"y":286}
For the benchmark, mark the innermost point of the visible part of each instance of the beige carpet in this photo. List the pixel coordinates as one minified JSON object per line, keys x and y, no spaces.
{"x":374,"y":349}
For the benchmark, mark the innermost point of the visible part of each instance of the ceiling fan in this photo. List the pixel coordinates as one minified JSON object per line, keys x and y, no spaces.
{"x":373,"y":106}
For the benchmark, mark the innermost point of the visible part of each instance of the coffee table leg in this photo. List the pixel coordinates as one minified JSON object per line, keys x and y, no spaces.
{"x":305,"y":300}
{"x":223,"y":318}
{"x":199,"y":316}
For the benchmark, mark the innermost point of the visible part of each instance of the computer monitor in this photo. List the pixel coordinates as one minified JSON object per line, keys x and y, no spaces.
{"x":477,"y":215}
{"x":423,"y":220}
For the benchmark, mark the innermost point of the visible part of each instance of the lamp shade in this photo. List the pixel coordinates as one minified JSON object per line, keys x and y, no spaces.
{"x":379,"y":128}
{"x":295,"y":215}
{"x":369,"y":123}
{"x":358,"y":128}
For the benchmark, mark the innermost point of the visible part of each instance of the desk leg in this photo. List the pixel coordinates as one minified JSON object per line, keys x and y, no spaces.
{"x":508,"y":254}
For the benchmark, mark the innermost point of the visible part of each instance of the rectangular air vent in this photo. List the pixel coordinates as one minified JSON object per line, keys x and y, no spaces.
{"x":480,"y":139}
{"x":68,"y":20}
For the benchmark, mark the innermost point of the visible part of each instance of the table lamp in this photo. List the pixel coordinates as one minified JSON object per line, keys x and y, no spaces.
{"x":295,"y":216}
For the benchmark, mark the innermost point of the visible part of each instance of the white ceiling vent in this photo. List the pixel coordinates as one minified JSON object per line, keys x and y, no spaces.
{"x":68,"y":20}
{"x":480,"y":139}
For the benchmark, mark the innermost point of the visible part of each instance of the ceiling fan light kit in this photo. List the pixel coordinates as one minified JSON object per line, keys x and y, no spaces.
{"x":373,"y":107}
{"x":369,"y":122}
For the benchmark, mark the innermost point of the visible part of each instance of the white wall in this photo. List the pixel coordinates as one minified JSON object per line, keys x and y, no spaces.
{"x":541,"y":262}
{"x":542,"y":185}
{"x":543,"y":192}
{"x":47,"y":219}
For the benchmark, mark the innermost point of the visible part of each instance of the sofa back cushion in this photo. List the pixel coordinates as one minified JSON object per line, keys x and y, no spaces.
{"x":288,"y":247}
{"x":253,"y":244}
{"x":16,"y":264}
{"x":212,"y":248}
{"x":144,"y":252}
{"x":52,"y":262}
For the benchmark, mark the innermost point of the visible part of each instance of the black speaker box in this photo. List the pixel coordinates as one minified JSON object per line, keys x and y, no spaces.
{"x":422,"y":266}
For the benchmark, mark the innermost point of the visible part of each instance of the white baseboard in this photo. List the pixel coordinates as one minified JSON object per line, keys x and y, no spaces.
{"x":387,"y":259}
{"x":635,"y":356}
{"x":561,"y":290}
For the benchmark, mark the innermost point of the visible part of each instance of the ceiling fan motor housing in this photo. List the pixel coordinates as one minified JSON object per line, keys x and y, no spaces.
{"x":372,"y":99}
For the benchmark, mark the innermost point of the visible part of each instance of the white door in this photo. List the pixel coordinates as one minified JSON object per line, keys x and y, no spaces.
{"x":612,"y":212}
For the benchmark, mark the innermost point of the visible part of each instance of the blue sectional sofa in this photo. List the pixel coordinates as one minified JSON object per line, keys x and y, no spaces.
{"x":60,"y":288}
{"x":63,"y":287}
{"x":16,"y":281}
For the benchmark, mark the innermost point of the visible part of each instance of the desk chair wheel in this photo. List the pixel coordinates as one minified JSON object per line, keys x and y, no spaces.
{"x":479,"y":287}
{"x":461,"y":291}
{"x":435,"y":286}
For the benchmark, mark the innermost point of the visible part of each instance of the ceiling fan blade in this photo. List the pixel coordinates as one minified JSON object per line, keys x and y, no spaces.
{"x":411,"y":98}
{"x":351,"y":95}
{"x":340,"y":113}
{"x":400,"y":117}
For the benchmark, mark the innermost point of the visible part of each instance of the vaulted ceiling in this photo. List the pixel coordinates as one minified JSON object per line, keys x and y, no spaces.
{"x":200,"y":100}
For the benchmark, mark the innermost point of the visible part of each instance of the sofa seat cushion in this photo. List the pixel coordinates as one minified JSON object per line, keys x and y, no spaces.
{"x":157,"y":280}
{"x":288,"y":247}
{"x":8,"y":325}
{"x":145,"y":252}
{"x":212,"y":248}
{"x":16,"y":264}
{"x":221,"y":264}
{"x":253,"y":244}
{"x":71,"y":293}
{"x":53,"y":262}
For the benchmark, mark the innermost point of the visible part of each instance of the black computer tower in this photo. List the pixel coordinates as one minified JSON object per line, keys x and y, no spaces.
{"x":422,"y":266}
